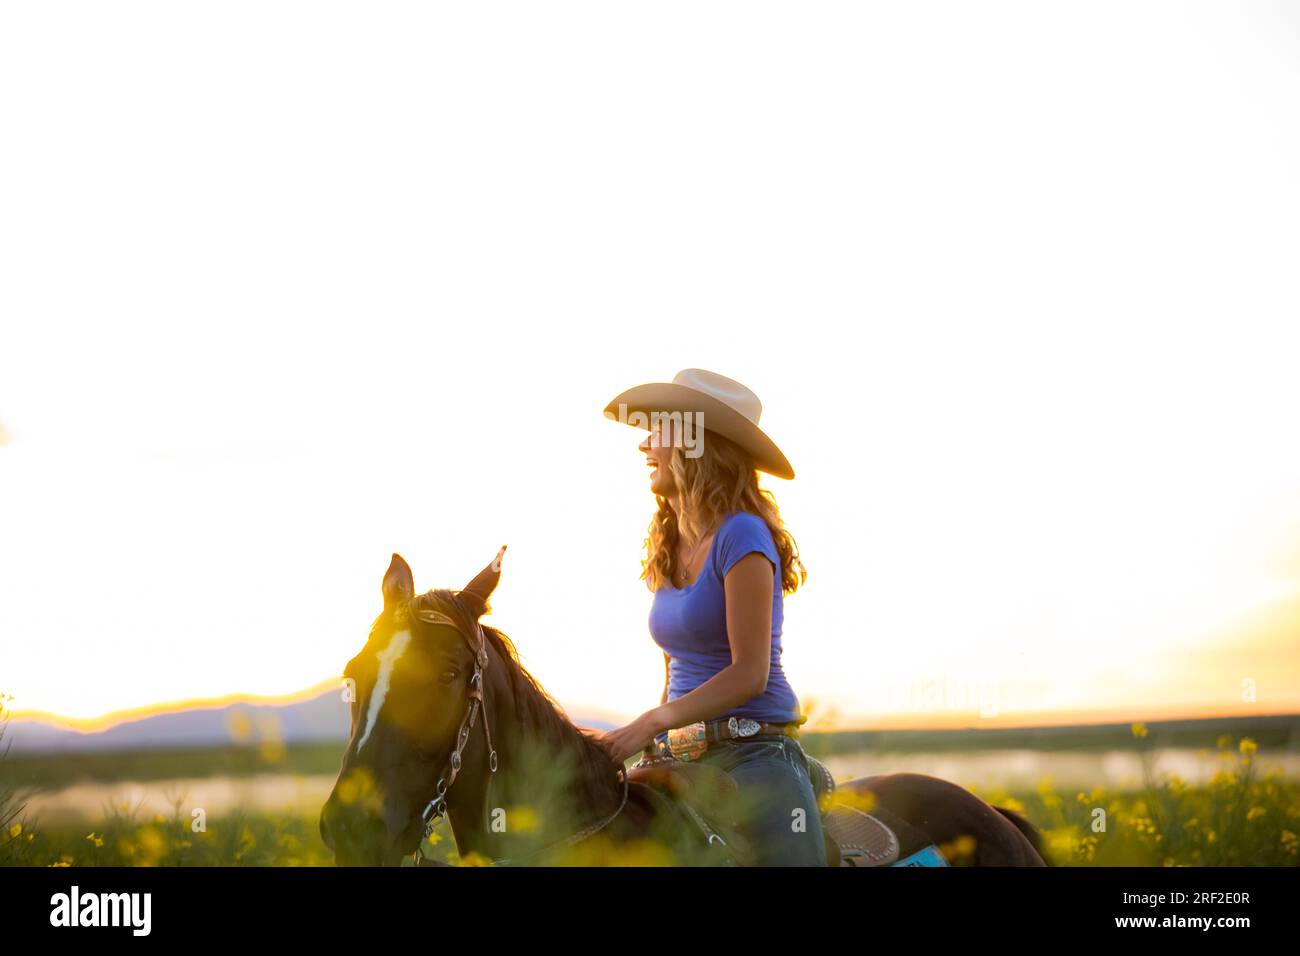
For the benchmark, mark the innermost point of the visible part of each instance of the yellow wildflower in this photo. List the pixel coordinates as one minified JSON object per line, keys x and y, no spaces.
{"x":152,"y":844}
{"x":960,"y":849}
{"x":523,"y":819}
{"x":1289,"y":842}
{"x":1223,"y":778}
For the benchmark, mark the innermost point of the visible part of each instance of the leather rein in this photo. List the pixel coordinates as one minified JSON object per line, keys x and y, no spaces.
{"x":436,"y":808}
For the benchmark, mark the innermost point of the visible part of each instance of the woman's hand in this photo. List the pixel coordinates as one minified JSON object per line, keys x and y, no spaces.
{"x":632,"y":739}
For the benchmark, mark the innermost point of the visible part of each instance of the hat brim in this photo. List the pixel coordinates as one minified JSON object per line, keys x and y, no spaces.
{"x":718,"y":417}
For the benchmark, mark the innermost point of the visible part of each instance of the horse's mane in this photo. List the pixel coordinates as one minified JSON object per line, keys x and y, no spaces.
{"x":541,"y":713}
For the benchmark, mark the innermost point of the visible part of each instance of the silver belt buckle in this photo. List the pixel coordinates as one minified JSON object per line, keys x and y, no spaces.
{"x":743,"y":726}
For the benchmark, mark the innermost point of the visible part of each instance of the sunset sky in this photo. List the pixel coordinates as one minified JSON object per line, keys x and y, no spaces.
{"x":1017,"y":288}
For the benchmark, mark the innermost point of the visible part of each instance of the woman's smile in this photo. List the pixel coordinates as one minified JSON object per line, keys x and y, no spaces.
{"x":657,"y":454}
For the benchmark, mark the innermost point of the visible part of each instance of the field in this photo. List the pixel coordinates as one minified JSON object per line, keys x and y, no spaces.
{"x":1241,"y":814}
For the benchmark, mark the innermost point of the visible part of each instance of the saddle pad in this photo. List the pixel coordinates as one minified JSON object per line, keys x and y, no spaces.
{"x":863,"y":840}
{"x":929,"y":856}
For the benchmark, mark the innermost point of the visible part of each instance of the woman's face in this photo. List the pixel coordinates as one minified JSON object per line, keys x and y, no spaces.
{"x":658,"y":449}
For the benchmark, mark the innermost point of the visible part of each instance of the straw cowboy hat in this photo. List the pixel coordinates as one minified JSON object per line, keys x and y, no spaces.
{"x":722,"y":404}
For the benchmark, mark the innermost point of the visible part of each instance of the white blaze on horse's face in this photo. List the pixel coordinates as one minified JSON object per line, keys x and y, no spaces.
{"x":388,"y":658}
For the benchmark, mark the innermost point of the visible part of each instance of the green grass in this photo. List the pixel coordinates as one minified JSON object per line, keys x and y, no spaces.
{"x":1238,"y":818}
{"x":125,"y":839}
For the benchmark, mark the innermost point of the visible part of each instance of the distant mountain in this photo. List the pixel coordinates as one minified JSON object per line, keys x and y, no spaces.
{"x":319,"y":719}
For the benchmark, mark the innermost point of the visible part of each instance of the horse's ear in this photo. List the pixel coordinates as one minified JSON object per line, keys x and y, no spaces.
{"x":476,"y":593}
{"x":399,"y":583}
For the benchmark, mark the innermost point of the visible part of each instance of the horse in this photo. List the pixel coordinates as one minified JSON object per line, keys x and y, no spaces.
{"x":534,"y":788}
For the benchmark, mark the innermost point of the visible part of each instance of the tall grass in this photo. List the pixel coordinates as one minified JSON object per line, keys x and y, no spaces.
{"x":1239,"y":818}
{"x":14,"y":833}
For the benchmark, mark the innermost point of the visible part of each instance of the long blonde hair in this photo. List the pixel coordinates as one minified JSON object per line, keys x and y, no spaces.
{"x":712,"y":485}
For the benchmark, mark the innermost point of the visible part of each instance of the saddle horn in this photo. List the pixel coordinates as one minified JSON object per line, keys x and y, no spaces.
{"x":478,"y":591}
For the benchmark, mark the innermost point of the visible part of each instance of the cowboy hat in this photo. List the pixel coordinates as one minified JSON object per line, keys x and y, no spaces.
{"x":722,"y":405}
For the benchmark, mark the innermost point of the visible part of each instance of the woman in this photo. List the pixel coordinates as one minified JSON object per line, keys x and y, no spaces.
{"x":719,"y":562}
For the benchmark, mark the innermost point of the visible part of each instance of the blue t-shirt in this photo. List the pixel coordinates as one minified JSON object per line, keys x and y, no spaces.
{"x":690,"y":623}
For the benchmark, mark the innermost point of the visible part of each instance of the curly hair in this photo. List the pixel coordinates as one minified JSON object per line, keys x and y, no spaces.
{"x":716,"y":483}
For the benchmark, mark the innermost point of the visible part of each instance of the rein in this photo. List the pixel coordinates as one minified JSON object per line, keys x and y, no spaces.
{"x":436,"y":808}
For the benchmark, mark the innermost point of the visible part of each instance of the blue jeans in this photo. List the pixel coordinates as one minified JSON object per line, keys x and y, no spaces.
{"x":779,"y":812}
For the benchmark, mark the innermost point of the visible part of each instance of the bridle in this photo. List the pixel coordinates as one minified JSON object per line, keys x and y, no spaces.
{"x":436,"y":808}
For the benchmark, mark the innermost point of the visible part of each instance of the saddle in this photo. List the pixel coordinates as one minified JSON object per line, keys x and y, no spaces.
{"x":702,"y":793}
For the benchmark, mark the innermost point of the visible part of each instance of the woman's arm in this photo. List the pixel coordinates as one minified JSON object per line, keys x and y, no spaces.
{"x":664,"y":698}
{"x":748,"y":588}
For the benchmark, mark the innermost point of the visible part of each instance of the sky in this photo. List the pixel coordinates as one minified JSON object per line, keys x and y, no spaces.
{"x":286,"y":288}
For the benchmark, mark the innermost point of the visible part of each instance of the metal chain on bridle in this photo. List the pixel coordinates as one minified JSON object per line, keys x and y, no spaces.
{"x":436,"y":808}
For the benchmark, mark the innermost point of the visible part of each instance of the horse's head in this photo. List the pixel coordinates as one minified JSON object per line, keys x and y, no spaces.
{"x":410,"y":690}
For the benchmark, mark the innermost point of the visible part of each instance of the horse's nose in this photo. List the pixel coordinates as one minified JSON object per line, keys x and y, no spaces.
{"x":325,"y":831}
{"x":354,"y":836}
{"x":327,"y":811}
{"x":340,"y":826}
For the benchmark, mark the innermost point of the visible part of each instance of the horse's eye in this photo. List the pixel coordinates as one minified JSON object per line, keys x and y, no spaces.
{"x":449,"y":676}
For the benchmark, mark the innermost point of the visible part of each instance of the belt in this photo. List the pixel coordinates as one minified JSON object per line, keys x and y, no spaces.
{"x":689,"y":742}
